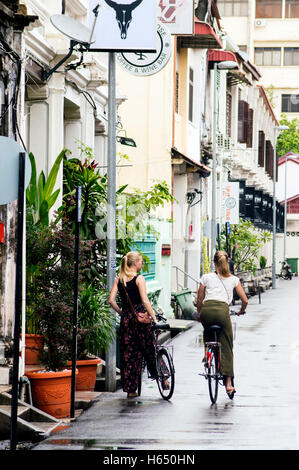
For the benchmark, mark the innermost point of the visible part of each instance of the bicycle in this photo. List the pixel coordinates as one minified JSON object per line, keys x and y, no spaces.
{"x":212,"y":363}
{"x":164,"y":362}
{"x":286,"y":272}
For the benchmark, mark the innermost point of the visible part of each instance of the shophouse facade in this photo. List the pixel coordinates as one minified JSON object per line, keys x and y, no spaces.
{"x":169,"y":115}
{"x":268,"y":33}
{"x":245,"y":139}
{"x":67,"y":108}
{"x":13,"y":20}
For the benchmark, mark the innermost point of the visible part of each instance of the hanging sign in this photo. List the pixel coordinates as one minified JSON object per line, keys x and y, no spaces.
{"x":124,"y":25}
{"x":230,"y":202}
{"x":143,"y":64}
{"x":9,"y":169}
{"x":177,"y":15}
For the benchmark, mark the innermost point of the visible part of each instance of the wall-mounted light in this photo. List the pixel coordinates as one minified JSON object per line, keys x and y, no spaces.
{"x":124,"y":140}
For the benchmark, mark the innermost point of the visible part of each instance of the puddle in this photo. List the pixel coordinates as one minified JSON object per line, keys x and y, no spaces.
{"x":197,"y":342}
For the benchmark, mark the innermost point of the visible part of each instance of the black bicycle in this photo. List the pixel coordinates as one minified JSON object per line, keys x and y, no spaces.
{"x":164,"y":362}
{"x":212,"y":363}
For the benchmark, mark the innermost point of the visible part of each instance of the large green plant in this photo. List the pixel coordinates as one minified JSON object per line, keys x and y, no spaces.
{"x":133,"y":209}
{"x":40,"y":193}
{"x":245,"y":242}
{"x":96,"y":327}
{"x":288,"y":140}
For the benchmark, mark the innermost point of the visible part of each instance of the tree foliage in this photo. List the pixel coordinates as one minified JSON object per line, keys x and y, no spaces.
{"x":245,"y":242}
{"x":288,"y":140}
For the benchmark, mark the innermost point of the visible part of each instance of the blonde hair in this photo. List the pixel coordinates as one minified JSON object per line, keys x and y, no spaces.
{"x":126,"y":264}
{"x":221,"y":263}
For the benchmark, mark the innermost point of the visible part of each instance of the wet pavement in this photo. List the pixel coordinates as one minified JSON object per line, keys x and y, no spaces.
{"x":264,"y":414}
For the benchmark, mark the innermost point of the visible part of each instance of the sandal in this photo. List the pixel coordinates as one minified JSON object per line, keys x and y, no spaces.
{"x":231,"y":393}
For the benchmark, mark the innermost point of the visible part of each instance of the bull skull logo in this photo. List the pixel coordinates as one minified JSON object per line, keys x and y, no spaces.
{"x":123,"y":15}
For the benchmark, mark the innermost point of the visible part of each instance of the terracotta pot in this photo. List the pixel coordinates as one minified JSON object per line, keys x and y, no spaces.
{"x":51,"y":391}
{"x":87,"y":373}
{"x":33,"y":345}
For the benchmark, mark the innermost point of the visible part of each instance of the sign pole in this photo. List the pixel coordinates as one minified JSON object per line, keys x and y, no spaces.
{"x":110,"y":372}
{"x":75,"y":309}
{"x":18,"y":304}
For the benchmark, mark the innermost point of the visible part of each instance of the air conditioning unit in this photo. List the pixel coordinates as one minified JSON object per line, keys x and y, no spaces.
{"x":259,"y":23}
{"x":220,"y":140}
{"x":227,"y":143}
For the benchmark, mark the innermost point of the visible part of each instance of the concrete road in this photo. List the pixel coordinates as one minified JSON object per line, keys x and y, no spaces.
{"x":264,"y":413}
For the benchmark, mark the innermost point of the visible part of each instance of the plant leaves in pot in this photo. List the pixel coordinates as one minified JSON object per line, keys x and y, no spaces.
{"x":96,"y":330}
{"x":52,"y":247}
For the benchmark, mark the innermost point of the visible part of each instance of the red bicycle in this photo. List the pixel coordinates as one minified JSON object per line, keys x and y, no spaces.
{"x":212,"y":364}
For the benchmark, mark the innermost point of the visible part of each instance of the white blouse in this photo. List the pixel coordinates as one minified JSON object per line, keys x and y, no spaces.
{"x":217,"y":290}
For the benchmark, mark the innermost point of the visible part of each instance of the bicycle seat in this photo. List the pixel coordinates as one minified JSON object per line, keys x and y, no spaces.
{"x":215,"y":328}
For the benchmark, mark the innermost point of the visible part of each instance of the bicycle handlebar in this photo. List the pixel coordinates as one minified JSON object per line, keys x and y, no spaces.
{"x":233,"y":312}
{"x":161,"y":326}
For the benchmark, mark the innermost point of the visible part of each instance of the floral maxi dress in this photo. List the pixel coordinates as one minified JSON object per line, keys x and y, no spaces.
{"x":136,"y":339}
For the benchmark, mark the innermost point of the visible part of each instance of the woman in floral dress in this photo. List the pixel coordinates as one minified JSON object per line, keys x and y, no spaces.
{"x":136,"y":339}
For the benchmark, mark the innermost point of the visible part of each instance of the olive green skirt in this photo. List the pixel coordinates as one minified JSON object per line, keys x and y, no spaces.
{"x":214,"y":312}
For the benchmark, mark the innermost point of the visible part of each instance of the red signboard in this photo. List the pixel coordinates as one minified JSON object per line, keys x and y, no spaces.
{"x":166,"y":250}
{"x":1,"y":232}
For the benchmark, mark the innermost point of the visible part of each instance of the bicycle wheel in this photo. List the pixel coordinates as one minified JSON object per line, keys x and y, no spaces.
{"x":165,"y":372}
{"x":213,"y":375}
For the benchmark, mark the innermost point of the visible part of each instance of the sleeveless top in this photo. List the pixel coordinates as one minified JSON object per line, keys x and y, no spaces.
{"x":216,"y":289}
{"x":133,"y":293}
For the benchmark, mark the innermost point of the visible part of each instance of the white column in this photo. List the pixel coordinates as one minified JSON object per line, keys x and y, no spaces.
{"x":73,"y":134}
{"x":56,"y":127}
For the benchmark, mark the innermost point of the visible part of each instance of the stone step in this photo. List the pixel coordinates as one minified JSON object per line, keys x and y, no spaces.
{"x":30,"y":422}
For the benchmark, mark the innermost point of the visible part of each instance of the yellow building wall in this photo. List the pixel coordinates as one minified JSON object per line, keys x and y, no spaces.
{"x":147,"y":117}
{"x":180,"y":139}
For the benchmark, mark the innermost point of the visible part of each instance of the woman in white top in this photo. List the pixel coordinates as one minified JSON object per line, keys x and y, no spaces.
{"x":214,"y":297}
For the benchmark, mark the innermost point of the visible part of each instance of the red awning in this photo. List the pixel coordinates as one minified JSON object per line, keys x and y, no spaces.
{"x":204,"y":37}
{"x":215,"y":55}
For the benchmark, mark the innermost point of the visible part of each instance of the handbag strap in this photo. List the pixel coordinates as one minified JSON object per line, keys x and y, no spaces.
{"x":224,"y":287}
{"x":128,"y":297}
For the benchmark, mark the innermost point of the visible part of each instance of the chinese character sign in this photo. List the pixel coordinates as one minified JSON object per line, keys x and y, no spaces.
{"x":124,"y":25}
{"x":230,"y":203}
{"x":177,"y":15}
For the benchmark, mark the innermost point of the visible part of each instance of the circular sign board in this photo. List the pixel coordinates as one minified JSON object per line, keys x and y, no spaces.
{"x":143,"y":64}
{"x":230,"y":202}
{"x":9,"y":169}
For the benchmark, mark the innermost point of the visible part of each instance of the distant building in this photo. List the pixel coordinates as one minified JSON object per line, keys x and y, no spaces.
{"x":287,"y":190}
{"x":268,"y":32}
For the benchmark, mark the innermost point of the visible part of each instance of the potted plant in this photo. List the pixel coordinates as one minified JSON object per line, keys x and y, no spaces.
{"x":95,"y":331}
{"x":41,"y":195}
{"x":52,"y":249}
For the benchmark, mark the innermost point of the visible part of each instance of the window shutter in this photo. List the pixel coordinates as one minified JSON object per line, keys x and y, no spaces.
{"x":269,"y":158}
{"x":250,"y":128}
{"x":229,"y":114}
{"x":241,"y":114}
{"x":243,"y":120}
{"x":261,"y":151}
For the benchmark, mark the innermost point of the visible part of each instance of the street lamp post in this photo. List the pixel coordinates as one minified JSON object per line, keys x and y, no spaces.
{"x":225,"y":65}
{"x":285,"y":212}
{"x":276,"y":129}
